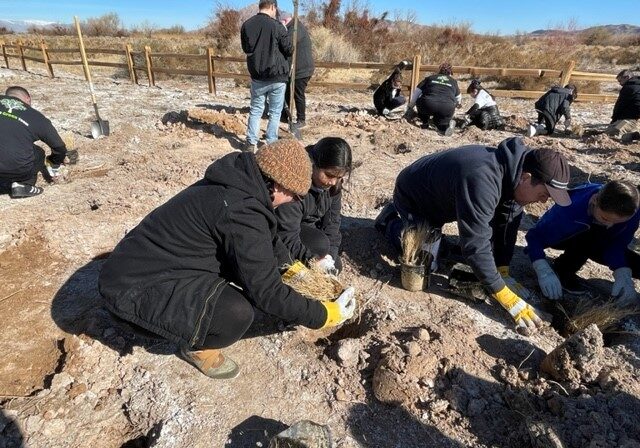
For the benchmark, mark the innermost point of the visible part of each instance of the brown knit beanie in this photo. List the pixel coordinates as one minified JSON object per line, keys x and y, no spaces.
{"x":287,"y":163}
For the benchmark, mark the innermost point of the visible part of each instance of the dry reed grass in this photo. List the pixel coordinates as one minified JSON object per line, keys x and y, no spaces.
{"x":412,"y":240}
{"x":312,"y":282}
{"x":606,"y":316}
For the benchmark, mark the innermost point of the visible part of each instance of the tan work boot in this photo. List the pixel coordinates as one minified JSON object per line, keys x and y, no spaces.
{"x":212,"y":363}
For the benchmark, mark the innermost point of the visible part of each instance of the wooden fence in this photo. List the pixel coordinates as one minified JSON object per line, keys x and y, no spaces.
{"x":47,"y":56}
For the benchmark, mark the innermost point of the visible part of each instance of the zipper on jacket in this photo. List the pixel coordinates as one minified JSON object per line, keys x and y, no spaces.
{"x":195,"y":338}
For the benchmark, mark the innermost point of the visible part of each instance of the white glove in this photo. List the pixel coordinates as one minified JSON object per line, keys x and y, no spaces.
{"x":327,"y":264}
{"x":514,"y":285}
{"x":347,"y":303}
{"x":547,"y":279}
{"x":53,"y":170}
{"x":623,"y":288}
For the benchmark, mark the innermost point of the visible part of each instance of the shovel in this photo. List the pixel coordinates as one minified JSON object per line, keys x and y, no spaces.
{"x":98,"y":127}
{"x":292,"y":82}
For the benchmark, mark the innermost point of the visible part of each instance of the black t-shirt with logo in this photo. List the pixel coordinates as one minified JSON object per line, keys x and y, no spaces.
{"x":440,"y":88}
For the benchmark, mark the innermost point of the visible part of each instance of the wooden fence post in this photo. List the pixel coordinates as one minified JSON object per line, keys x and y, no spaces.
{"x":147,"y":56}
{"x":415,"y":74}
{"x":566,"y":73}
{"x":21,"y":51}
{"x":130,"y":63}
{"x":4,"y":53}
{"x":210,"y":69}
{"x":45,"y":58}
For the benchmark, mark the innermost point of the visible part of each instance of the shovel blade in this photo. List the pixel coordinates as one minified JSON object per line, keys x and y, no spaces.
{"x":99,"y":128}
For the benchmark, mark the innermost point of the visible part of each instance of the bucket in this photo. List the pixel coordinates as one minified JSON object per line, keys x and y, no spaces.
{"x":412,"y":276}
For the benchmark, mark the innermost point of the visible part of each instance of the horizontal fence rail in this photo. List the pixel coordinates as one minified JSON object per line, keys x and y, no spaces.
{"x":148,"y":63}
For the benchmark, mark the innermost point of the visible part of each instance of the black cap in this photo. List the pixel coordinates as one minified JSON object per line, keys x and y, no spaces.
{"x":552,"y":168}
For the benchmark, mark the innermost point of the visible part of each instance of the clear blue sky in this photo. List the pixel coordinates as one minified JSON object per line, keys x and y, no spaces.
{"x":505,"y":17}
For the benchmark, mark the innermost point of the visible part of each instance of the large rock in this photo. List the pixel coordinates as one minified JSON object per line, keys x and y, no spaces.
{"x":578,"y":359}
{"x":304,"y":434}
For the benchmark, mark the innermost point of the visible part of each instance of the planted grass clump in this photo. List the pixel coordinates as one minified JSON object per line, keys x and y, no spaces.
{"x":312,"y":282}
{"x":607,"y":316}
{"x":413,"y":257}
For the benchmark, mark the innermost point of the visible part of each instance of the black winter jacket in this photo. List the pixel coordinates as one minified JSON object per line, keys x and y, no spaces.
{"x":474,"y":186}
{"x":627,"y":106}
{"x":385,"y":92}
{"x":21,"y":126}
{"x":304,"y":51}
{"x":554,"y":104}
{"x":267,"y":45}
{"x":440,"y":88}
{"x":321,"y":209}
{"x":167,"y":273}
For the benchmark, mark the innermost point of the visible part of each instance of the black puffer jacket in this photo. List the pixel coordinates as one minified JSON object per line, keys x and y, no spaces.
{"x":267,"y":45}
{"x":321,"y":209}
{"x":168,"y":272}
{"x":21,"y":126}
{"x":304,"y":51}
{"x":474,"y":186}
{"x":627,"y":106}
{"x":385,"y":92}
{"x":555,"y":104}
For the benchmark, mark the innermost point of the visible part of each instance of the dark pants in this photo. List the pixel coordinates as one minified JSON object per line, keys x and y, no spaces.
{"x":394,"y":103}
{"x":298,"y":97}
{"x":29,"y":177}
{"x":589,"y":245}
{"x":487,"y":118}
{"x":441,"y":111}
{"x":548,"y":120}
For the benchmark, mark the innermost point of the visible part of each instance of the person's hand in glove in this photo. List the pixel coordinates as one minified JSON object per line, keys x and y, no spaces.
{"x":623,"y":289}
{"x":53,"y":169}
{"x":567,"y":126}
{"x":548,"y":280}
{"x":513,"y":284}
{"x":341,"y":309}
{"x":327,"y":264}
{"x":522,"y":313}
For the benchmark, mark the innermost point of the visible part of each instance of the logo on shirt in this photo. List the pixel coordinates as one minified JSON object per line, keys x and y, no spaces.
{"x":11,"y":104}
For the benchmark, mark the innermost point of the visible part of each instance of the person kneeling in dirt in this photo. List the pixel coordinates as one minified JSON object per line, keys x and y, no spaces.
{"x":20,"y":159}
{"x":598,"y":225}
{"x":194,"y":269}
{"x":551,"y":107}
{"x":388,"y":94}
{"x":625,"y":121}
{"x":437,"y":97}
{"x":310,"y":228}
{"x":484,"y":189}
{"x":484,"y":113}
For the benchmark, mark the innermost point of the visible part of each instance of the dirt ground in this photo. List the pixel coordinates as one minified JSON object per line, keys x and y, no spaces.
{"x":422,"y":369}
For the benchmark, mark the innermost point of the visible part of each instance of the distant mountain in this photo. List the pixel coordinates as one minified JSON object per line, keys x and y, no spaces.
{"x":611,"y":29}
{"x":21,"y":26}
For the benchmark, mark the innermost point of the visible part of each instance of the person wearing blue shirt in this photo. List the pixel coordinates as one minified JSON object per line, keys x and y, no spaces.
{"x":598,"y":225}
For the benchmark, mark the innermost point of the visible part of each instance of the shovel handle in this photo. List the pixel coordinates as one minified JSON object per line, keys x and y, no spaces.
{"x":85,"y":63}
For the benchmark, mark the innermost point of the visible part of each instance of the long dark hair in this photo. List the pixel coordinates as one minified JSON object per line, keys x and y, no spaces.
{"x":476,"y":85}
{"x":332,"y":152}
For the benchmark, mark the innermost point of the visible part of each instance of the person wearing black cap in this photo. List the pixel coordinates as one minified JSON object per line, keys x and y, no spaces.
{"x":195,"y":268}
{"x":598,"y":225}
{"x":483,"y":189}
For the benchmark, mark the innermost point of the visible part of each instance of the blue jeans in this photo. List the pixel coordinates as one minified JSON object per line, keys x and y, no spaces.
{"x":274,"y":92}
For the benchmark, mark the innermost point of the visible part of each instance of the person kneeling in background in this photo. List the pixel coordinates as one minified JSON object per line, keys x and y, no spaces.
{"x":551,"y":107}
{"x":195,"y":268}
{"x":484,"y":113}
{"x":310,"y":228}
{"x":598,"y":225}
{"x":388,"y":94}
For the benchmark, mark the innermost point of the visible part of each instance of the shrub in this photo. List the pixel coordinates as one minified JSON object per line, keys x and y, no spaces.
{"x":106,"y":25}
{"x":329,"y":46}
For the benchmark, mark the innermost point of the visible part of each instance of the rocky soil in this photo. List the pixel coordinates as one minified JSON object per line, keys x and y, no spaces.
{"x":413,"y":370}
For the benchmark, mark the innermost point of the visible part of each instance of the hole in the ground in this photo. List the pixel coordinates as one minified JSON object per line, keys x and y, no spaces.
{"x":146,"y":440}
{"x":352,"y":330}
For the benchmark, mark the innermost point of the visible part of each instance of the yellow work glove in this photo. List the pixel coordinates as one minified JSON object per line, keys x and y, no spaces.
{"x":342,"y":309}
{"x":513,"y":284}
{"x":522,"y":313}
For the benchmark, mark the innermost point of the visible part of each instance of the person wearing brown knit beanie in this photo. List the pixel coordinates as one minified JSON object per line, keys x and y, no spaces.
{"x":194,"y":270}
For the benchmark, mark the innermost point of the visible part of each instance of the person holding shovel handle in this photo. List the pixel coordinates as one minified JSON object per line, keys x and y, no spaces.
{"x":195,"y":268}
{"x":484,"y":190}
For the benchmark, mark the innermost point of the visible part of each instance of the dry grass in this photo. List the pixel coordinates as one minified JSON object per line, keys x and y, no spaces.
{"x":412,"y":240}
{"x":606,"y":316}
{"x":312,"y":282}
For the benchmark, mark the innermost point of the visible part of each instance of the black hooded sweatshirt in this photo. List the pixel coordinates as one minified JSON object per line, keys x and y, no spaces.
{"x":20,"y":126}
{"x":474,"y":186}
{"x":555,"y":104}
{"x":304,"y":51}
{"x":627,"y":105}
{"x":267,"y":44}
{"x":167,"y":273}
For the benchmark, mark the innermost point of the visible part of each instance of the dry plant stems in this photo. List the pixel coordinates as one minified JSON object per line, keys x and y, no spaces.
{"x":606,"y":316}
{"x":312,"y":282}
{"x":69,"y":140}
{"x":412,"y":240}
